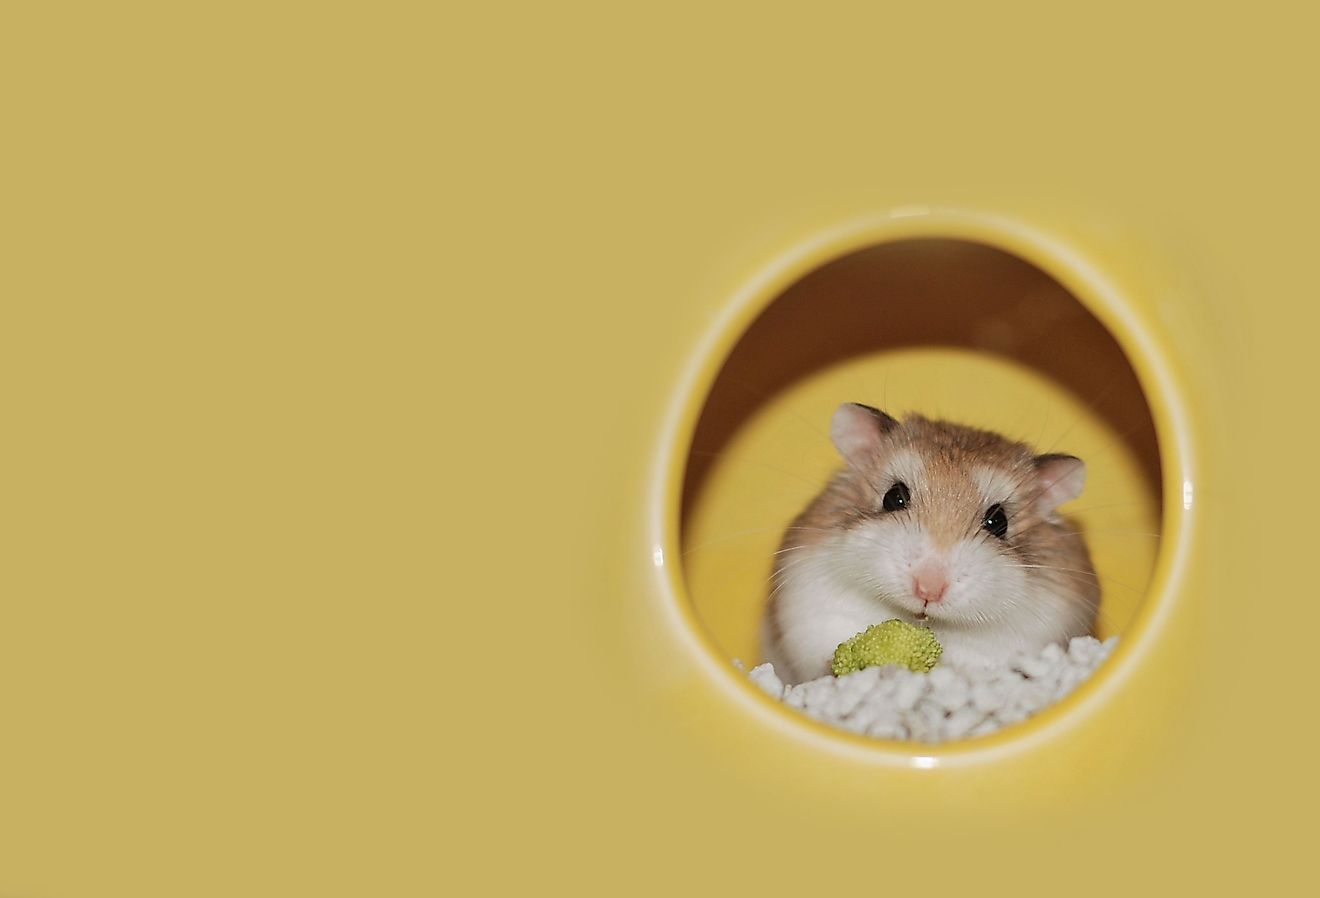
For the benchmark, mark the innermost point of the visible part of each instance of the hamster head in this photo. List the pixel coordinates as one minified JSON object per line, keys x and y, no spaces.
{"x":952,"y":522}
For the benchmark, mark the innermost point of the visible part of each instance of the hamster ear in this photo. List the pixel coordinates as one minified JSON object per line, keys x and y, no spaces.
{"x":857,"y":431}
{"x":1061,"y":479}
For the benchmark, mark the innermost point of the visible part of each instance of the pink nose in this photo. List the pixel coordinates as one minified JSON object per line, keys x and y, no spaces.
{"x":929,"y":583}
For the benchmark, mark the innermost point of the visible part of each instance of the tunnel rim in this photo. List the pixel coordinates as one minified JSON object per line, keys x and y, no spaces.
{"x":1149,"y":355}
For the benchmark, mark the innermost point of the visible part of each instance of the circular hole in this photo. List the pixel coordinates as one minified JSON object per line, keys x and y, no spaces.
{"x":947,"y":328}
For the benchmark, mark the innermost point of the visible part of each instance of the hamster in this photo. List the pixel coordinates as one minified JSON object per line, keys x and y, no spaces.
{"x":933,"y":523}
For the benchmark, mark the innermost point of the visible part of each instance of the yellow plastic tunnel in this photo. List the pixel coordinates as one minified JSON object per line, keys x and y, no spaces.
{"x":402,"y":404}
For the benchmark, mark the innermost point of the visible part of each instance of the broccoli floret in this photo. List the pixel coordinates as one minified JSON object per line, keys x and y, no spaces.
{"x":892,"y":642}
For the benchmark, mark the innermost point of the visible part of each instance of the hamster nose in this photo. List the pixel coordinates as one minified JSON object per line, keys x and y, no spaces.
{"x":929,"y":582}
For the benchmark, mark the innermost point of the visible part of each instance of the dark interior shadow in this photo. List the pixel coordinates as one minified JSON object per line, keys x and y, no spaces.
{"x":914,"y":293}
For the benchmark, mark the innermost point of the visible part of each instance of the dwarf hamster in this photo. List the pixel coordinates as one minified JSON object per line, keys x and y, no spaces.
{"x":937,"y":523}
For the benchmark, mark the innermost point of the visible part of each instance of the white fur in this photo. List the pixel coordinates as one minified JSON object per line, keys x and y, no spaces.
{"x":993,"y":482}
{"x":830,"y":591}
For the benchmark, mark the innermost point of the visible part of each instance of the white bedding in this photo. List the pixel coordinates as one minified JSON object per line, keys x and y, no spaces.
{"x":949,"y":702}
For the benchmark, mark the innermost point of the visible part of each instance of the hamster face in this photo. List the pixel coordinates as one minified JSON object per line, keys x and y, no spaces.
{"x":952,"y":542}
{"x":936,"y":521}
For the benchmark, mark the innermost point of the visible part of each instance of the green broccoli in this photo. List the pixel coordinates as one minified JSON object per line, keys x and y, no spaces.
{"x":892,"y":642}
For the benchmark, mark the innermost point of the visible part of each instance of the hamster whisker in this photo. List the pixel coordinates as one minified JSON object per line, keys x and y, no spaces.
{"x":1080,"y":509}
{"x":1094,"y":406}
{"x":1074,"y":572}
{"x":704,"y":453}
{"x":752,"y":532}
{"x":762,"y":396}
{"x":794,"y":549}
{"x":728,"y":537}
{"x":790,"y":564}
{"x":1050,"y":567}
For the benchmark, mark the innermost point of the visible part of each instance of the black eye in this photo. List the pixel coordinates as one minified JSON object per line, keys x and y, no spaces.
{"x":897,"y":497}
{"x":996,"y":520}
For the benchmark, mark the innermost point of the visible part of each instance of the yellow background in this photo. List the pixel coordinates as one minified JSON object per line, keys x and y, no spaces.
{"x":338,"y":350}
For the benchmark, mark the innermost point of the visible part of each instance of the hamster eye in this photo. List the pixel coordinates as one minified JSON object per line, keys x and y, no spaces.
{"x":898,"y":497}
{"x":996,"y":520}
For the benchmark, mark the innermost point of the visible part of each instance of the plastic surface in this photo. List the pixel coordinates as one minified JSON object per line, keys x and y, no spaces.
{"x":349,"y":360}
